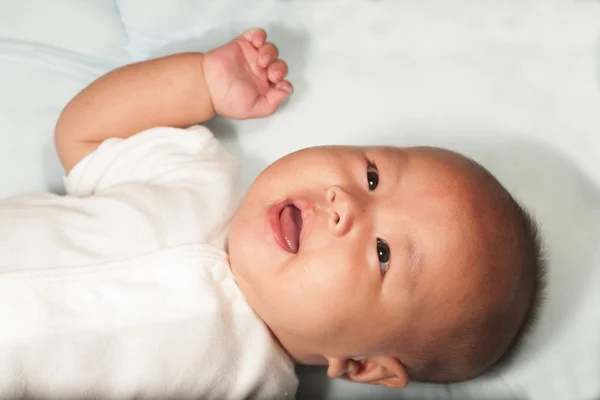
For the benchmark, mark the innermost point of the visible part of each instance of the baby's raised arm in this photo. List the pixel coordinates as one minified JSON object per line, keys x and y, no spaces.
{"x":169,"y":91}
{"x":242,"y":79}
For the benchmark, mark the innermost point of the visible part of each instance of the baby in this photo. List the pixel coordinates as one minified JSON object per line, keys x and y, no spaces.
{"x":151,"y":279}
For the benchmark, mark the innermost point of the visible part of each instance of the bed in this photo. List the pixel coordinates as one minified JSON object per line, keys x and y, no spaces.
{"x":513,"y":84}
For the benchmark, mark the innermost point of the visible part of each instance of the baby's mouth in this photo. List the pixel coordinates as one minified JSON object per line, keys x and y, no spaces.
{"x":290,"y":219}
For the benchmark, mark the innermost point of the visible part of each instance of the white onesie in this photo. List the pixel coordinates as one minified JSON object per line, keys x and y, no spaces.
{"x":122,"y":288}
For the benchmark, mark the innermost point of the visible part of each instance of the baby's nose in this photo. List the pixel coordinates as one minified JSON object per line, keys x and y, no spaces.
{"x":341,"y":206}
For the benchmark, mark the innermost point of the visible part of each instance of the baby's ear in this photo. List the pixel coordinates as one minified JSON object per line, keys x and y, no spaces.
{"x":378,"y":370}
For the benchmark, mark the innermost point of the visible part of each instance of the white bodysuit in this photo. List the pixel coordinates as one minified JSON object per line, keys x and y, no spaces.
{"x":122,"y":288}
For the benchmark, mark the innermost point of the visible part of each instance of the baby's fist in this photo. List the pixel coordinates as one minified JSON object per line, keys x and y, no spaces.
{"x":245,"y":78}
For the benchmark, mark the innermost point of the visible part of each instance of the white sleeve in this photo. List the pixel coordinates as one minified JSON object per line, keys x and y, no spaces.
{"x":160,"y":156}
{"x":161,"y":187}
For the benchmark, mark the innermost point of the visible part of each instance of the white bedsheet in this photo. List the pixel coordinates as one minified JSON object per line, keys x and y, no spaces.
{"x":514,"y":84}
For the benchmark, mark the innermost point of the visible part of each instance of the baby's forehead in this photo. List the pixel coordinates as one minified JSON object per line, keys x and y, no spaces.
{"x":391,"y":150}
{"x":443,"y":160}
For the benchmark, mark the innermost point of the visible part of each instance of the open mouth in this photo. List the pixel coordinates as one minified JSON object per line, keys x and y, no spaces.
{"x":290,"y":219}
{"x":286,"y":223}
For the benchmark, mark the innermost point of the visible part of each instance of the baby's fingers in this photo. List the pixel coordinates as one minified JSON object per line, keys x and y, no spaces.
{"x":285,"y":86}
{"x":277,"y":71}
{"x":267,"y":55}
{"x":256,"y":36}
{"x":271,"y":101}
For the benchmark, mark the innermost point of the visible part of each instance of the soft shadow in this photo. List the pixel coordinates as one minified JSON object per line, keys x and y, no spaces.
{"x":314,"y":383}
{"x":250,"y":166}
{"x":53,"y":170}
{"x":566,"y":204}
{"x":597,"y":63}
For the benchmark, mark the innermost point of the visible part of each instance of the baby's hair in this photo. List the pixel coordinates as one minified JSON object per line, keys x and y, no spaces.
{"x":532,"y":261}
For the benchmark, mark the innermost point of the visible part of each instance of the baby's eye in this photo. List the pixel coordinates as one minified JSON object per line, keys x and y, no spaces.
{"x":383,"y":253}
{"x":372,"y":176}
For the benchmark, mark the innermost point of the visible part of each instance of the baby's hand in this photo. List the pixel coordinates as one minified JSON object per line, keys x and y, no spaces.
{"x":245,"y":78}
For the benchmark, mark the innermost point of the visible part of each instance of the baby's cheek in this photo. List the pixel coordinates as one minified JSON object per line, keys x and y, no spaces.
{"x":328,"y":277}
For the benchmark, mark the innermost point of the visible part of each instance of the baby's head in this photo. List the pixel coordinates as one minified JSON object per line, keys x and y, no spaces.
{"x":387,"y":264}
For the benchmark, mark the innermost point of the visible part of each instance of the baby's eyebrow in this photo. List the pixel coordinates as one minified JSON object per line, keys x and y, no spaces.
{"x":397,"y":165}
{"x":414,"y":262}
{"x":413,"y":257}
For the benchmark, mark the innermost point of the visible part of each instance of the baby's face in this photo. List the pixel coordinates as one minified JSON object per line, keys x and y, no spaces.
{"x":348,"y":251}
